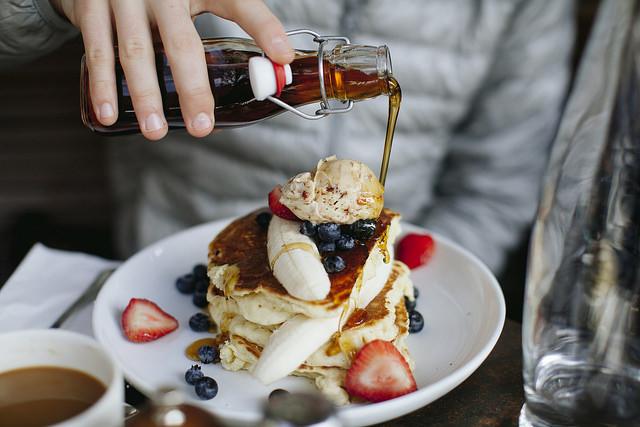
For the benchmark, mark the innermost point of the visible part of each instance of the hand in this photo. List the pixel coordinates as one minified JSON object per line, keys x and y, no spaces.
{"x":135,"y":22}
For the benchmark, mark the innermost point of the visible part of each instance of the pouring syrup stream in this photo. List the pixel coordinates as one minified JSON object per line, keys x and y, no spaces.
{"x":395,"y":97}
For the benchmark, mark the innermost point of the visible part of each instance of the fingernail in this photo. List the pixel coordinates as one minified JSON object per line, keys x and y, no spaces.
{"x":106,"y":111}
{"x":153,"y":122}
{"x":201,"y":122}
{"x":281,"y":46}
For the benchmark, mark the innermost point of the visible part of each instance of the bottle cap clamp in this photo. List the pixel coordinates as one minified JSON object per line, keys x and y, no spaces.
{"x":324,"y":104}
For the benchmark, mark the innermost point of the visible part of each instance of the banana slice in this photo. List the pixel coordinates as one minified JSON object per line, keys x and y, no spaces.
{"x":291,"y":344}
{"x":374,"y":276}
{"x":295,"y":261}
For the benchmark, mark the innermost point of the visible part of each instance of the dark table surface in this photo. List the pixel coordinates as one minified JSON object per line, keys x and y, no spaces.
{"x":491,"y":396}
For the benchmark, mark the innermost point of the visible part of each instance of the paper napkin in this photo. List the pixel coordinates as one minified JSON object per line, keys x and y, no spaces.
{"x":44,"y":285}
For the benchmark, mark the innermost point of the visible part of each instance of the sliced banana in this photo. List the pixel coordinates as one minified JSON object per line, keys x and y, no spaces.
{"x":374,"y":276}
{"x":295,"y":261}
{"x":291,"y":344}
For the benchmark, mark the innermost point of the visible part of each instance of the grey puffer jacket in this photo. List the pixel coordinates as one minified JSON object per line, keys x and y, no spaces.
{"x":483,"y":83}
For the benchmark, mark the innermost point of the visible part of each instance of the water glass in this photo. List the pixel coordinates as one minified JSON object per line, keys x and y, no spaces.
{"x":581,"y":328}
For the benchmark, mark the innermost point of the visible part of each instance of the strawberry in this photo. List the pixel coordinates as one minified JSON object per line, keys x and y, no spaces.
{"x":379,"y":372}
{"x":278,"y":208}
{"x":415,"y":249}
{"x":144,"y":321}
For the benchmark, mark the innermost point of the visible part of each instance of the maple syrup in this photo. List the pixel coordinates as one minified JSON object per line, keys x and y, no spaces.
{"x":192,"y":349}
{"x":395,"y":97}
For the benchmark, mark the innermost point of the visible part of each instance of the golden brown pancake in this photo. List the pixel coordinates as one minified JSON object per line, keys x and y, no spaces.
{"x":243,"y":243}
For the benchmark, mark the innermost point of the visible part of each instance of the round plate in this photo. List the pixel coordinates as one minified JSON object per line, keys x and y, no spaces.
{"x":460,"y":300}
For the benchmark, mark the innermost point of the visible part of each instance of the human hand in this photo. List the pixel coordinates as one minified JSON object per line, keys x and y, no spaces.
{"x":134,"y":23}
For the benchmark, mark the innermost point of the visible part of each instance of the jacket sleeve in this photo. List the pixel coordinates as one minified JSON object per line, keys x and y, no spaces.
{"x":28,"y":29}
{"x":488,"y":191}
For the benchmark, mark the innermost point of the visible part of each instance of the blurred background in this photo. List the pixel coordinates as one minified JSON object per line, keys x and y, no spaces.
{"x":53,"y":177}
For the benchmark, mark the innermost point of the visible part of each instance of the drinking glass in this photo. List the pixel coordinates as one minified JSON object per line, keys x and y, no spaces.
{"x":581,"y":328}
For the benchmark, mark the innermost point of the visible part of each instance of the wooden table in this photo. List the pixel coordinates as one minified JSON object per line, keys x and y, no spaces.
{"x":491,"y":396}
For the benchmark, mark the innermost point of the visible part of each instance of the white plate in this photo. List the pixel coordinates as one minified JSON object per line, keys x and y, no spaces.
{"x":460,"y":300}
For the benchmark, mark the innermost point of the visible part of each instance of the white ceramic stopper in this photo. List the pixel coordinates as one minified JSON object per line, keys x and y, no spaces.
{"x":263,"y":77}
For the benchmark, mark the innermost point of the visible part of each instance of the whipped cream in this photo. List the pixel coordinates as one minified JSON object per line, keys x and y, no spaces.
{"x":339,"y":191}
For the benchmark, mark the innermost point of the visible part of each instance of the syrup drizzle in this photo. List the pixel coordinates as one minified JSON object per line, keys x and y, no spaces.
{"x":395,"y":97}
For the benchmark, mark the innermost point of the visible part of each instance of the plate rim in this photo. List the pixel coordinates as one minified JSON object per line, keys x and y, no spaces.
{"x":355,"y":414}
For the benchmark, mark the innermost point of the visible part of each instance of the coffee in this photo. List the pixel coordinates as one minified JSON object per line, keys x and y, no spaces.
{"x":44,"y":395}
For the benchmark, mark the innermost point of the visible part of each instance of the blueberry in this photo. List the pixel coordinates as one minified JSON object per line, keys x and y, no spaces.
{"x":411,"y":305}
{"x":326,"y":247}
{"x":200,"y":299}
{"x":202,"y":285}
{"x":207,"y":354}
{"x":200,"y":271}
{"x":416,"y":322}
{"x":206,"y":388}
{"x":363,"y":229}
{"x":263,"y":219}
{"x":308,"y":228}
{"x":345,"y":243}
{"x":333,"y":264}
{"x":193,"y":374}
{"x":328,"y":232}
{"x":199,"y":322}
{"x":186,"y":284}
{"x":416,"y":292}
{"x":278,"y":392}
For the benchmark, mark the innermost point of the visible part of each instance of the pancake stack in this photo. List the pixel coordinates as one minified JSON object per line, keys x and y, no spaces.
{"x":366,"y":299}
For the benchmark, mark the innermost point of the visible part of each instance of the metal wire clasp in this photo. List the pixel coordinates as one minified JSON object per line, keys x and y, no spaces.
{"x":324,"y":104}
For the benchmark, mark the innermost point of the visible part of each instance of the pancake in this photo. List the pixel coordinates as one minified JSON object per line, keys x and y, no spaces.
{"x":385,"y":317}
{"x":239,"y":270}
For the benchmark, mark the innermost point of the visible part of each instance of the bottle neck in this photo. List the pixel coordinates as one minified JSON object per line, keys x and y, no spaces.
{"x":356,"y":72}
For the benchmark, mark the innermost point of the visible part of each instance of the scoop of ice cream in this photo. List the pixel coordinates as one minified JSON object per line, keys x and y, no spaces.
{"x":339,"y":191}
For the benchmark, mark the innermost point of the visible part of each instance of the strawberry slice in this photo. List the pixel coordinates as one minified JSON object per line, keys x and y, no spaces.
{"x":144,"y":321}
{"x":415,"y":249}
{"x":278,"y":208}
{"x":379,"y":372}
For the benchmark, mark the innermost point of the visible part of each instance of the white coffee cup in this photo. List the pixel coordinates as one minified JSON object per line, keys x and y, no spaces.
{"x":64,"y":349}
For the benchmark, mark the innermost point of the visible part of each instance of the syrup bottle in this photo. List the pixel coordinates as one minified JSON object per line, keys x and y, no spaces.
{"x":345,"y":73}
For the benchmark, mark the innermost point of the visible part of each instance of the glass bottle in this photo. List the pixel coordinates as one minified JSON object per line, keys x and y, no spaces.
{"x":345,"y":73}
{"x":581,"y":329}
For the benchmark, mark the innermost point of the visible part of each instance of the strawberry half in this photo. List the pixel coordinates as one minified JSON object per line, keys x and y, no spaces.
{"x":144,"y":321}
{"x":379,"y":372}
{"x":415,"y":249}
{"x":278,"y":208}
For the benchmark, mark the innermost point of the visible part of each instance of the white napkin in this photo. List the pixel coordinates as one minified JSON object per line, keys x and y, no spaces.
{"x":44,"y":285}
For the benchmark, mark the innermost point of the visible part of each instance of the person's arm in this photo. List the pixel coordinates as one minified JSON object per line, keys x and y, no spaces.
{"x":489,"y":189}
{"x":29,"y":29}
